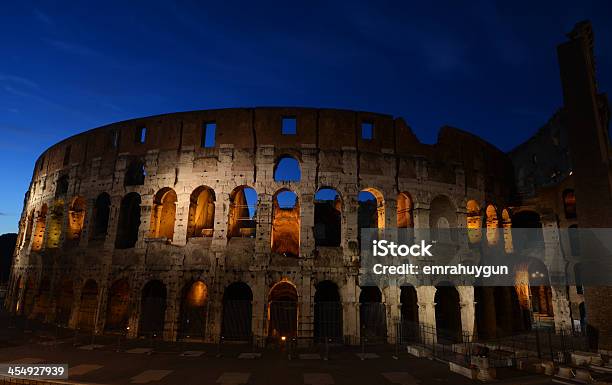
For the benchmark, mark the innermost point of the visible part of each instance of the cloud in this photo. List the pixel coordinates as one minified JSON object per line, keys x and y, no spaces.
{"x":73,"y":48}
{"x":14,"y":79}
{"x":40,"y":15}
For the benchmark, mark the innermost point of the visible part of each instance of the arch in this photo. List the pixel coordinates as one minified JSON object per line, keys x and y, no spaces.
{"x":524,"y":239}
{"x":54,"y":227}
{"x":569,"y":204}
{"x":507,"y":226}
{"x":101,"y":215}
{"x":135,"y":173}
{"x":129,"y":221}
{"x":152,"y":309}
{"x":194,"y":310}
{"x":15,"y":295}
{"x":28,"y":230}
{"x":41,"y":224}
{"x":539,"y":289}
{"x":583,"y":316}
{"x":409,"y":313}
{"x":327,"y":217}
{"x":76,"y":219}
{"x":117,"y":310}
{"x":64,"y":300}
{"x":287,"y":169}
{"x":371,"y":210}
{"x":492,"y":225}
{"x":163,"y":214}
{"x":448,"y":314}
{"x":474,"y":221}
{"x":442,"y":219}
{"x":286,"y":224}
{"x":89,"y":306}
{"x":201,"y":220}
{"x":43,"y":299}
{"x":327,"y":313}
{"x":61,"y":186}
{"x":282,"y":310}
{"x":237,"y":312}
{"x":242,"y":212}
{"x":404,"y":210}
{"x":29,"y":297}
{"x":372,"y":315}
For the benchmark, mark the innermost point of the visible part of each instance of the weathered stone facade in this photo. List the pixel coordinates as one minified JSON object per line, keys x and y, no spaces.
{"x":131,"y":227}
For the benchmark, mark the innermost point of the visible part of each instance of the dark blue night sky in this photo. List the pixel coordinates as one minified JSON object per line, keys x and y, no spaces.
{"x":485,"y":67}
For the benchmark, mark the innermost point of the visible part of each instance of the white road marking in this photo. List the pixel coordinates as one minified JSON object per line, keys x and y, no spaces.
{"x":318,"y":379}
{"x":149,"y":376}
{"x":233,"y":378}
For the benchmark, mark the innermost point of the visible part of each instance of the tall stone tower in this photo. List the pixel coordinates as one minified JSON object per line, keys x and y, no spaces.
{"x":586,"y":114}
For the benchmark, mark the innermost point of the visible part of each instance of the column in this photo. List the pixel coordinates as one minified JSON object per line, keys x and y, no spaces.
{"x":427,"y":313}
{"x":466,"y":301}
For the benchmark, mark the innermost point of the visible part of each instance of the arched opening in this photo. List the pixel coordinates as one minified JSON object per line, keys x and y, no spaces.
{"x":64,"y":300}
{"x":54,"y":228}
{"x":327,"y":313}
{"x":129,"y":221}
{"x":135,"y":173}
{"x":474,"y":222}
{"x":540,"y":292}
{"x":569,"y":204}
{"x":88,"y":308}
{"x":282,"y":311}
{"x":287,"y":169}
{"x":327,"y":217}
{"x":163,"y":214}
{"x":371,"y":210}
{"x":76,"y":219}
{"x":152,"y":309}
{"x":492,"y":225}
{"x":372,"y":315}
{"x":201,"y":213}
{"x":101,"y":214}
{"x":582,"y":310}
{"x":41,"y":224}
{"x":194,"y":310}
{"x":578,"y":278}
{"x":117,"y":311}
{"x":448,"y":314}
{"x":237,"y":312}
{"x":43,"y":299}
{"x":507,"y":225}
{"x":574,"y":239}
{"x":242,"y":211}
{"x":442,"y":219}
{"x":61,"y":186}
{"x":409,"y":313}
{"x":28,"y":230}
{"x":29,"y":297}
{"x":405,"y":220}
{"x":286,"y":223}
{"x":530,"y":238}
{"x":16,"y":293}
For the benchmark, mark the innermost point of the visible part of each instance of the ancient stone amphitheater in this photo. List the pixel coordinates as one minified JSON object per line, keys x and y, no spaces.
{"x":243,"y":224}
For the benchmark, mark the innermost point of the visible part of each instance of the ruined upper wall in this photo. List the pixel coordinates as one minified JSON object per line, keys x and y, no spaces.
{"x":246,"y":129}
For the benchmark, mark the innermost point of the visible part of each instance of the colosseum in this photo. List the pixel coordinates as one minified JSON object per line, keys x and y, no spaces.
{"x":243,"y":224}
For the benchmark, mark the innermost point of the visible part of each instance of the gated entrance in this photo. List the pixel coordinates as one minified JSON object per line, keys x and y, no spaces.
{"x":65,"y":297}
{"x":327,"y":313}
{"x":153,"y":309}
{"x":117,"y":313}
{"x":237,"y":312}
{"x":372,"y":315}
{"x":194,"y":311}
{"x":282,"y":311}
{"x":88,"y":306}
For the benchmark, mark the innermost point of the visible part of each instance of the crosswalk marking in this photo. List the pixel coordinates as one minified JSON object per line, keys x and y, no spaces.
{"x":367,"y":356}
{"x":149,"y":376}
{"x":90,"y":347}
{"x":401,"y":378}
{"x":233,"y":378}
{"x":249,"y":356}
{"x":318,"y":379}
{"x":310,"y":356}
{"x":79,"y":370}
